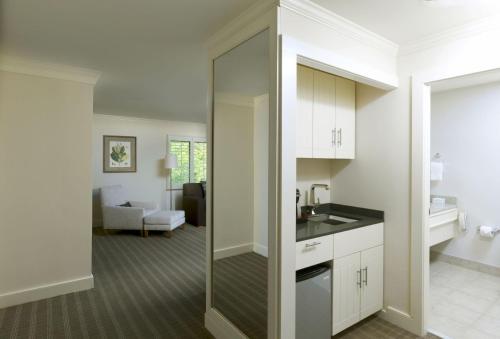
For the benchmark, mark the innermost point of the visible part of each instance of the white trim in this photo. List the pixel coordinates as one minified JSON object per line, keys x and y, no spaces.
{"x":233,"y":250}
{"x":47,"y":70}
{"x":420,"y":184}
{"x":260,"y":249}
{"x":460,"y":32}
{"x":46,"y":291}
{"x":398,"y":318}
{"x":287,"y":183}
{"x":220,"y":327}
{"x":340,"y":24}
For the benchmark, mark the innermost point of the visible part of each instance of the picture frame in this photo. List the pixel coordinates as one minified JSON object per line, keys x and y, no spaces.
{"x":119,"y":154}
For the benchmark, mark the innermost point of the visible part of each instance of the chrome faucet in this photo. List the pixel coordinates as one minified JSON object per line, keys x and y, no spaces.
{"x":313,"y":195}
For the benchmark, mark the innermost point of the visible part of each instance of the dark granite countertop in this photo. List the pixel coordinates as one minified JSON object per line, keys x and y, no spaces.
{"x":318,"y":226}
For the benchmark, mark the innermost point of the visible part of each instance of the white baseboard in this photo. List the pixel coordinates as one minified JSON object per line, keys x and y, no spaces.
{"x":400,"y":319}
{"x":232,"y":251}
{"x":220,"y":327}
{"x":46,"y":291}
{"x":260,"y":249}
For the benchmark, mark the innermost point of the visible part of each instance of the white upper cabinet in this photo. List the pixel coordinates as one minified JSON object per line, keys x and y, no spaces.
{"x":326,"y":115}
{"x":345,"y":118}
{"x":323,"y":121}
{"x":304,"y":139}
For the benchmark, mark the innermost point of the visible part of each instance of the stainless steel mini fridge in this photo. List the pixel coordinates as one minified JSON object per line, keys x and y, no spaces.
{"x":314,"y":302}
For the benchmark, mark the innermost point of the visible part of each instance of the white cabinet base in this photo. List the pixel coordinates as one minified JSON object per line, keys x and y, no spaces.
{"x":358,"y":275}
{"x":345,"y":292}
{"x":372,"y":281}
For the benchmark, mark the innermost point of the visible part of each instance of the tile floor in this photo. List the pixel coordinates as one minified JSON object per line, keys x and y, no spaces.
{"x":465,"y":304}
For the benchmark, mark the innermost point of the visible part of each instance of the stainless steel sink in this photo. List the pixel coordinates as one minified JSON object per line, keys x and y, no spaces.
{"x":330,"y":219}
{"x":337,"y":218}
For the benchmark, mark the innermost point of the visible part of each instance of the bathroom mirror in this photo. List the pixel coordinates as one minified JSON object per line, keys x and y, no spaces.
{"x":240,"y":185}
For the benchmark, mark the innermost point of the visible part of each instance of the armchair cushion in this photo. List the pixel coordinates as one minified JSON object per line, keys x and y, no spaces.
{"x":117,"y":217}
{"x":119,"y":213}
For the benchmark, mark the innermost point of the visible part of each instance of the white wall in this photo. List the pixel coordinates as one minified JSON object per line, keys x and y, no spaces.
{"x":466,"y":132}
{"x":314,"y":171}
{"x":233,"y":182}
{"x":150,"y":181}
{"x":45,"y":183}
{"x":381,"y":172}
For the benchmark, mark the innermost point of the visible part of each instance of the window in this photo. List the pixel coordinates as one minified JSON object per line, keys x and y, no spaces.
{"x":191,"y":160}
{"x":200,"y":161}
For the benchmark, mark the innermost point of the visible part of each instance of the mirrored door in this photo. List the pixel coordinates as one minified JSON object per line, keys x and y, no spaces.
{"x":240,"y":172}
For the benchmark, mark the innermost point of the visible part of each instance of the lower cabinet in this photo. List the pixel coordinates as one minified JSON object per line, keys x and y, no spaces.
{"x":357,"y":287}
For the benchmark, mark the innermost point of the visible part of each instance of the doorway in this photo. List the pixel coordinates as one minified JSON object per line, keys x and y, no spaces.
{"x":423,"y":222}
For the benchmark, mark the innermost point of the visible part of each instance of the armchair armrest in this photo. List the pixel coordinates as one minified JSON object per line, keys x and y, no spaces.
{"x":149,"y":205}
{"x":117,"y":217}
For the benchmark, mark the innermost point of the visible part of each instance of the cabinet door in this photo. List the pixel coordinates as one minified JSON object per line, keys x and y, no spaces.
{"x":372,"y":273}
{"x":345,"y":118}
{"x":324,"y":115}
{"x":304,"y":118}
{"x":346,"y":292}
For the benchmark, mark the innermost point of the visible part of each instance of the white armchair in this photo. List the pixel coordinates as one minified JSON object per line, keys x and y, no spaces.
{"x":120,"y":217}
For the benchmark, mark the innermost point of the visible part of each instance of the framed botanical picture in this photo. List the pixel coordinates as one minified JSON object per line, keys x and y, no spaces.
{"x":119,"y":154}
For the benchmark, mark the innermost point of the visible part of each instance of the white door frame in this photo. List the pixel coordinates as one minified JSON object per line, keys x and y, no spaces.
{"x":295,"y":52}
{"x":420,"y":184}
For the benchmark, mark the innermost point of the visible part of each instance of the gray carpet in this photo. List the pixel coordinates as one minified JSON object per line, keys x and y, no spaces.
{"x":151,"y":288}
{"x":240,"y":292}
{"x":144,"y":288}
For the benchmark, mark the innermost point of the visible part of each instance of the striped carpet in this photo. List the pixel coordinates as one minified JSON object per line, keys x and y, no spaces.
{"x":240,"y":292}
{"x":144,"y":288}
{"x":149,"y":288}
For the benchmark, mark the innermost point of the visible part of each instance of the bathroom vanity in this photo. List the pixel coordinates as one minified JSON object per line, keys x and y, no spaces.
{"x":352,"y":240}
{"x":443,"y":221}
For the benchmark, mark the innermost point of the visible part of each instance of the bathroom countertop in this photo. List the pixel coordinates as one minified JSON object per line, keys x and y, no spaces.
{"x":309,"y":229}
{"x":435,"y":211}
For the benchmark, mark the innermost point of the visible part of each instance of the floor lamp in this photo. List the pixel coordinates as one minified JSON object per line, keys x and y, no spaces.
{"x":170,"y":164}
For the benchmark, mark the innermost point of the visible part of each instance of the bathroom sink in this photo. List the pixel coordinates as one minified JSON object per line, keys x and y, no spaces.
{"x":342,"y":219}
{"x":330,"y":219}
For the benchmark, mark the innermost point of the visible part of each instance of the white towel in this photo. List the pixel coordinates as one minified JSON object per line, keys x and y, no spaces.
{"x":436,"y":171}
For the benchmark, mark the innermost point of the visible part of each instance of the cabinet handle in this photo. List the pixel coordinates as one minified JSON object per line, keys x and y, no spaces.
{"x":366,"y":275}
{"x":340,"y":137}
{"x":334,"y":137}
{"x":359,"y":278}
{"x":313,"y":244}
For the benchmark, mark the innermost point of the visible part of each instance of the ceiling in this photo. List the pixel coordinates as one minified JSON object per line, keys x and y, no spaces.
{"x":150,"y":52}
{"x":402,"y":21}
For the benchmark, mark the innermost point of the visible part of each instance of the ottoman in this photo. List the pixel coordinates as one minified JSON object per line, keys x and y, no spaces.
{"x":164,"y":221}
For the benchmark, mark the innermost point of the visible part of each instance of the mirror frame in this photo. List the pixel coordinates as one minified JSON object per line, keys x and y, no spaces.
{"x":256,"y":20}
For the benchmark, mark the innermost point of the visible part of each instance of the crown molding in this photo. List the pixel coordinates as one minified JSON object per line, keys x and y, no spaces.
{"x":340,"y":24}
{"x":47,"y":70}
{"x":246,"y":18}
{"x":447,"y":36}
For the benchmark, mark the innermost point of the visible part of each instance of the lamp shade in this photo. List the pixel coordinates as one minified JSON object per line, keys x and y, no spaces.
{"x":170,"y":161}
